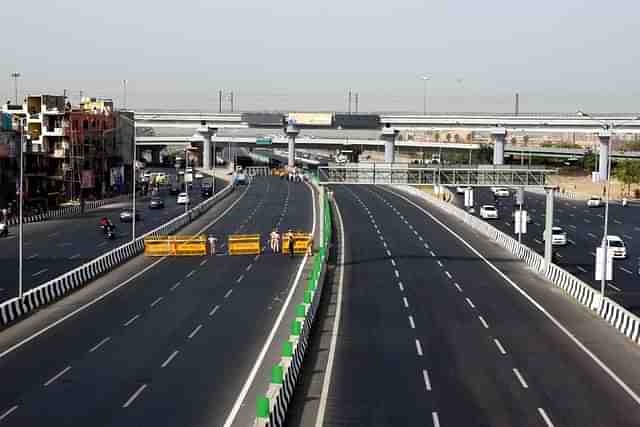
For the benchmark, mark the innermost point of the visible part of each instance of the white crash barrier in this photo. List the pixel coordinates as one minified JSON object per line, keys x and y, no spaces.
{"x":57,"y":288}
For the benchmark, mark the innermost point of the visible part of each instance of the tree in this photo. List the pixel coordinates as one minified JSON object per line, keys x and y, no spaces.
{"x":525,"y":139}
{"x":469,"y":137}
{"x":514,"y":140}
{"x":589,"y":162}
{"x":448,"y":137}
{"x":436,"y":136}
{"x":456,"y":138}
{"x":628,"y":172}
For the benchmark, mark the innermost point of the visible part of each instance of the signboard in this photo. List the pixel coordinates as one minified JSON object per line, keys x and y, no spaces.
{"x":599,"y":252}
{"x":312,"y":119}
{"x":468,"y":197}
{"x":88,"y":179}
{"x":263,"y":141}
{"x":520,"y":222}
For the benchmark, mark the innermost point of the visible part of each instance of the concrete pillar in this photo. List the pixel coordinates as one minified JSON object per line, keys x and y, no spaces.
{"x":603,"y":166}
{"x":548,"y":223}
{"x":204,"y":133}
{"x":389,"y":135}
{"x":500,"y":134}
{"x":292,"y":132}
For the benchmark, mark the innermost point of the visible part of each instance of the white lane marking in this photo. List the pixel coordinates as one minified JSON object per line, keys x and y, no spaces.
{"x":440,"y":263}
{"x":626,"y":271}
{"x":112,"y":290}
{"x":57,"y":233}
{"x":591,"y":235}
{"x":418,"y":347}
{"x":32,"y":256}
{"x":500,"y":347}
{"x":582,"y":269}
{"x":587,"y":221}
{"x":545,"y":417}
{"x":384,"y":244}
{"x":203,"y":262}
{"x":436,"y":419}
{"x":228,"y":293}
{"x":470,"y":303}
{"x":397,"y":273}
{"x":432,"y":253}
{"x":537,"y":241}
{"x":169,"y":359}
{"x":412,"y":323}
{"x":213,"y":311}
{"x":191,"y":273}
{"x":448,"y":275}
{"x":256,"y":257}
{"x":420,"y":238}
{"x":427,"y":381}
{"x":415,"y":232}
{"x":537,"y":224}
{"x":626,"y":236}
{"x":571,"y":241}
{"x":401,"y":286}
{"x":44,"y":270}
{"x":613,"y":287}
{"x":378,"y":231}
{"x":484,"y":322}
{"x":175,"y":286}
{"x":134,"y":396}
{"x":75,"y":256}
{"x":240,"y":278}
{"x":248,"y":267}
{"x":523,"y":383}
{"x":8,"y":412}
{"x":617,"y":222}
{"x":245,"y":388}
{"x":426,"y":246}
{"x":195,"y":331}
{"x":381,"y":237}
{"x":388,"y":252}
{"x":559,"y":255}
{"x":100,"y":344}
{"x":573,"y":226}
{"x":157,"y":300}
{"x":393,"y":263}
{"x":458,"y":287}
{"x":56,"y":376}
{"x":130,"y":321}
{"x":405,"y":302}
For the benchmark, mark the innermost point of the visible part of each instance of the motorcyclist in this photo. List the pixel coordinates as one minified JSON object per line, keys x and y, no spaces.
{"x":106,"y":224}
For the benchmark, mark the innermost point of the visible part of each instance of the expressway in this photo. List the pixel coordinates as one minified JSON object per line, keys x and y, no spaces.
{"x":58,"y":245}
{"x":173,"y":345}
{"x":432,"y":333}
{"x":584,"y":227}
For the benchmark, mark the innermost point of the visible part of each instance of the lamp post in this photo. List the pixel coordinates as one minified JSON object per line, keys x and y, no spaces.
{"x":425,"y":79}
{"x":20,"y":205}
{"x":603,"y":175}
{"x":15,"y":77}
{"x":134,"y":180}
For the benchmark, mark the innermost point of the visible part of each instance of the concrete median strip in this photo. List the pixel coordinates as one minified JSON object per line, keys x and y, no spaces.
{"x":57,"y":288}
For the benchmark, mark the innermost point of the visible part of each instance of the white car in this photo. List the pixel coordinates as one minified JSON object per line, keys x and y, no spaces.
{"x":558,"y":236}
{"x":183,"y":199}
{"x":488,"y":212}
{"x":501,"y":192}
{"x":461,"y":190}
{"x":594,"y":202}
{"x":199,"y":175}
{"x":617,"y":246}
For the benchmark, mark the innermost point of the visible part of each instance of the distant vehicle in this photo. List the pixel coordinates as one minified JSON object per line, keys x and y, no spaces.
{"x":127,"y":215}
{"x":241,"y":179}
{"x":558,"y":236}
{"x":156,"y":203}
{"x":500,"y":192}
{"x":488,"y":212}
{"x":4,"y":230}
{"x":617,"y":247}
{"x":183,"y":199}
{"x":461,"y":190}
{"x":594,"y":202}
{"x":206,"y":190}
{"x":199,"y":175}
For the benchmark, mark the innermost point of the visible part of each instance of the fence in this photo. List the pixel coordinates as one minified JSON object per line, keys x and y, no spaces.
{"x":175,"y":245}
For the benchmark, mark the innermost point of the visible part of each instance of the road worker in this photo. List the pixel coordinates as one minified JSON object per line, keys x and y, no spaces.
{"x":274,"y":241}
{"x":212,"y":244}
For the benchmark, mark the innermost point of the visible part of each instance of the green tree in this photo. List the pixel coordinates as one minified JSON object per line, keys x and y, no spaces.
{"x":589,"y":162}
{"x":448,"y":137}
{"x":525,"y":139}
{"x":514,"y":140}
{"x":628,"y":172}
{"x":456,"y":138}
{"x":436,"y":136}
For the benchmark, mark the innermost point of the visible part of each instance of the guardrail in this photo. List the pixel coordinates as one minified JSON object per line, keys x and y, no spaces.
{"x":175,"y":245}
{"x":58,"y":287}
{"x":271,"y":408}
{"x":616,"y":315}
{"x":244,"y":244}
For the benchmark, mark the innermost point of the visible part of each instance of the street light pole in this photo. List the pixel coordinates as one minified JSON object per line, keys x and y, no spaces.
{"x":15,"y":84}
{"x":20,"y":228}
{"x":424,"y":94}
{"x":133,"y":175}
{"x":186,"y":189}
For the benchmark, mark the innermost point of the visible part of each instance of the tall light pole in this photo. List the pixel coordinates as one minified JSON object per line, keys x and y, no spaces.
{"x":124,"y":90}
{"x":21,"y":203}
{"x":15,"y":77}
{"x":425,"y":79}
{"x":134,"y":180}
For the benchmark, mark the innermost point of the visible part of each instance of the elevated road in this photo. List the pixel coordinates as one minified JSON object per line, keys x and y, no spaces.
{"x":176,"y":340}
{"x":432,"y":333}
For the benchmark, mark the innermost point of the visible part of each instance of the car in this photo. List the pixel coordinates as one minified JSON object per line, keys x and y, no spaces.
{"x":500,"y":192}
{"x":241,"y":179}
{"x":156,"y":203}
{"x":617,"y":246}
{"x":558,"y":236}
{"x":174,"y":191}
{"x":199,"y":175}
{"x":488,"y":212}
{"x":183,"y":199}
{"x":127,"y":215}
{"x":206,"y":190}
{"x":528,"y":216}
{"x":594,"y":202}
{"x":461,"y":190}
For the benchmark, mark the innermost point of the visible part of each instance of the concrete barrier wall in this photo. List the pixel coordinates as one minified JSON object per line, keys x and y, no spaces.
{"x":616,"y":315}
{"x":54,"y":289}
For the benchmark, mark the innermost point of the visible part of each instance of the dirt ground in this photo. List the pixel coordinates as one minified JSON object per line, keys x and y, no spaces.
{"x":580,"y":183}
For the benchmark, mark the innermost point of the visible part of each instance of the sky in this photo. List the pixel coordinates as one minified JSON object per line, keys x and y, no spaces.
{"x":285,"y":55}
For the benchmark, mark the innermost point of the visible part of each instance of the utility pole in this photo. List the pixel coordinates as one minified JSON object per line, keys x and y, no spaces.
{"x":231,"y":100}
{"x":124,"y":88}
{"x":517,"y":103}
{"x":349,"y":107}
{"x":15,"y":76}
{"x":357,"y":96}
{"x":219,"y":101}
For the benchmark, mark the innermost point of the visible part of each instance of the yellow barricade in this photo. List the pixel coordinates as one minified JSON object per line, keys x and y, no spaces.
{"x":175,"y":245}
{"x":302,"y":242}
{"x":244,"y":244}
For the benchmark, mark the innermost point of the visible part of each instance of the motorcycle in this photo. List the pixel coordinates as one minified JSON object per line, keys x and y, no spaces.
{"x":109,"y":231}
{"x":4,"y":230}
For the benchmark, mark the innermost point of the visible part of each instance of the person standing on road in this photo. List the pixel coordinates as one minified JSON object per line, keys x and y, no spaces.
{"x":274,"y":241}
{"x":212,"y":245}
{"x":292,"y":243}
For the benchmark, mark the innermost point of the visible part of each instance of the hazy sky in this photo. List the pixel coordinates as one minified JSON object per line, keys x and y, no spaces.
{"x":560,"y":55}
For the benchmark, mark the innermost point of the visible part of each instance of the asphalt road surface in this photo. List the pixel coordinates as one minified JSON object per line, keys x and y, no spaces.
{"x":173,"y":346}
{"x":431,"y":334}
{"x":584,"y":227}
{"x":58,"y":245}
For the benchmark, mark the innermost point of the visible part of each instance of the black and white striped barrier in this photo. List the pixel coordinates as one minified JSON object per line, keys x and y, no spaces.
{"x":57,"y":288}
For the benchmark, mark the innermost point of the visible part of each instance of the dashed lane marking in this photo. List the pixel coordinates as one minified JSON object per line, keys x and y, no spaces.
{"x":100,"y":344}
{"x":195,"y":331}
{"x":75,"y":256}
{"x":612,"y":286}
{"x":169,"y":359}
{"x":203,"y":262}
{"x":44,"y":270}
{"x":523,"y":383}
{"x":393,"y":263}
{"x":418,"y":347}
{"x":500,"y":347}
{"x":401,"y":286}
{"x":411,"y":322}
{"x":228,"y":293}
{"x":173,"y":288}
{"x":405,"y":302}
{"x":156,"y":301}
{"x":582,"y":269}
{"x":440,"y":263}
{"x":56,"y":376}
{"x":134,"y":396}
{"x":545,"y":417}
{"x":436,"y":419}
{"x":213,"y":311}
{"x":427,"y":381}
{"x":8,"y":412}
{"x":626,"y":271}
{"x":130,"y":321}
{"x":458,"y":287}
{"x":191,"y":273}
{"x":397,"y":273}
{"x":249,"y":267}
{"x":484,"y":322}
{"x":240,"y":278}
{"x":470,"y":303}
{"x":448,"y":274}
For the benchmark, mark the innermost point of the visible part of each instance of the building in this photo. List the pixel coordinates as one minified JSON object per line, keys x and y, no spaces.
{"x":8,"y":164}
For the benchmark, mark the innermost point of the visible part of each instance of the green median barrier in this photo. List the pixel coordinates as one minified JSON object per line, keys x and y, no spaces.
{"x":296,"y":328}
{"x":287,"y":349}
{"x":312,"y":285}
{"x":308,"y":296}
{"x":277,"y":374}
{"x":262,"y":407}
{"x":301,"y":310}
